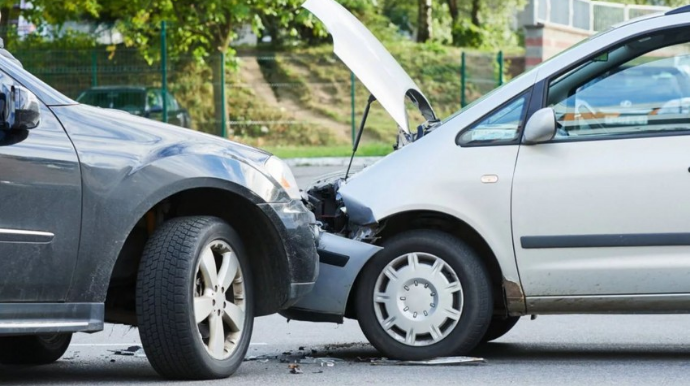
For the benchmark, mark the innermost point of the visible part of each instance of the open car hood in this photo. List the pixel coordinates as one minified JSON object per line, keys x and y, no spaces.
{"x":369,"y":60}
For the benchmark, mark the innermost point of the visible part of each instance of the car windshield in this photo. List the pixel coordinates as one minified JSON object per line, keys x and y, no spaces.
{"x":128,"y":100}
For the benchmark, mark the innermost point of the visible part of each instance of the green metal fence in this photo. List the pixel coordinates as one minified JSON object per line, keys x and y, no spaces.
{"x":301,"y":96}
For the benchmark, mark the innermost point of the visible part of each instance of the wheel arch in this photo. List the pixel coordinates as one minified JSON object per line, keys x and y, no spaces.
{"x":507,"y":294}
{"x":233,"y":203}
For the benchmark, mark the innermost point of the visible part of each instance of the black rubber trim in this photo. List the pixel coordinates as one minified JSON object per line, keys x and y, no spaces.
{"x":310,"y":316}
{"x":332,"y":258}
{"x":606,"y":241}
{"x":684,"y":9}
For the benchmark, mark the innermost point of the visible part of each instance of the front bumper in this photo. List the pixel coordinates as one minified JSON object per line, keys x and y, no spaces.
{"x":299,"y":233}
{"x":342,"y":260}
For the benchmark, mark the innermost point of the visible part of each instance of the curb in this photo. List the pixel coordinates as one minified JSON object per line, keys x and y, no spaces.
{"x":331,"y":161}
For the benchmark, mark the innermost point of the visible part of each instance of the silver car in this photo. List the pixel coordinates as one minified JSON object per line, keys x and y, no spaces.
{"x":566,"y":191}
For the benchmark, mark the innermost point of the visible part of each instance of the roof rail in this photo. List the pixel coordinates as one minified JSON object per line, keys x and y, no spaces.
{"x":683,"y":9}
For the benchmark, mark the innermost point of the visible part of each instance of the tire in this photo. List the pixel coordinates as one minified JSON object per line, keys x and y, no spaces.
{"x":410,"y":336}
{"x":34,"y":349}
{"x":499,"y":326}
{"x":195,"y":317}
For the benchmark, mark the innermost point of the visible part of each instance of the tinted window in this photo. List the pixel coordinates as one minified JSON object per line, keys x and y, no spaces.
{"x":132,"y":101}
{"x":648,"y":93}
{"x":172,"y":103}
{"x":154,"y":99}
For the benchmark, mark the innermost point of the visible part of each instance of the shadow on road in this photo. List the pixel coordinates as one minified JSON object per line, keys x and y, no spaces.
{"x":73,"y":372}
{"x":545,"y":352}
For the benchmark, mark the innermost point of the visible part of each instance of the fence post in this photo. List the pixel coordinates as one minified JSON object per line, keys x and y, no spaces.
{"x":223,"y":120}
{"x":352,"y":99}
{"x":94,"y":69}
{"x":501,"y":65}
{"x":463,"y":80}
{"x":164,"y":71}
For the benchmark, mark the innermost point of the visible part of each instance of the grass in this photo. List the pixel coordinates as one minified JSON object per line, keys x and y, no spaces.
{"x":365,"y":150}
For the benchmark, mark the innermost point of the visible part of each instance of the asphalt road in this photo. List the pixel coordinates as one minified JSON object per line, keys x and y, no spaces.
{"x":556,"y":350}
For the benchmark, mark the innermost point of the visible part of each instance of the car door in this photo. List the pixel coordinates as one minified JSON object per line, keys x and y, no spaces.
{"x":40,"y":210}
{"x":604,"y":207}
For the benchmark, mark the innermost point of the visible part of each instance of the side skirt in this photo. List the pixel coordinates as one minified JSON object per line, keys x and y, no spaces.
{"x":610,"y":304}
{"x":49,"y":318}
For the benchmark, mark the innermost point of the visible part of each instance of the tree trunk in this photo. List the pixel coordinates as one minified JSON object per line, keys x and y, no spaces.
{"x":424,"y":21}
{"x":454,"y":11}
{"x":475,"y":12}
{"x":5,"y":23}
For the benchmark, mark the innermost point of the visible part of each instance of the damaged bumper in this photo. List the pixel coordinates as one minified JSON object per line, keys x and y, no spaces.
{"x":299,"y":232}
{"x":341,"y":260}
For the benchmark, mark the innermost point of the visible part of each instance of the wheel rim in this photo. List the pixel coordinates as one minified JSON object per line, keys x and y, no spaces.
{"x":219,"y":304}
{"x":418,"y":299}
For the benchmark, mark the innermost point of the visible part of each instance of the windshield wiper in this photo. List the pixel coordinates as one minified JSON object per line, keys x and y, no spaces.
{"x":355,"y":145}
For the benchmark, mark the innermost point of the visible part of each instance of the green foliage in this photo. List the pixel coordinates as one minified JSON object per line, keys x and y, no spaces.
{"x":56,"y":12}
{"x":365,"y":150}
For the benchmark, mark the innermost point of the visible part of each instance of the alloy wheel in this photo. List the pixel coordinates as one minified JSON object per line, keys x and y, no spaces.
{"x":219,"y":304}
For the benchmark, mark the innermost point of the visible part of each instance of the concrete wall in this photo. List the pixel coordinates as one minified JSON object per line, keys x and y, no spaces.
{"x":543,"y":41}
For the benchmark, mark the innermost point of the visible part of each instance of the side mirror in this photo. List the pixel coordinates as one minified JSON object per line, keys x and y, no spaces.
{"x":19,"y":109}
{"x":541,"y":127}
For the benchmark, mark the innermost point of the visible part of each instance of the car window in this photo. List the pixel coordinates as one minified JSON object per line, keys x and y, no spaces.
{"x":154,"y":99}
{"x":625,"y":93}
{"x":172,"y":103}
{"x":501,"y":126}
{"x":132,"y":101}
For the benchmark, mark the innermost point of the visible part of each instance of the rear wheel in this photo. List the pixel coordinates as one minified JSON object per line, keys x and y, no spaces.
{"x":425,"y":295}
{"x":34,"y":349}
{"x":195,"y":299}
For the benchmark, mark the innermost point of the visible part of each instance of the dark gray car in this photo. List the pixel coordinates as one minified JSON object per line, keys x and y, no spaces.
{"x":143,"y":101}
{"x":109,"y":217}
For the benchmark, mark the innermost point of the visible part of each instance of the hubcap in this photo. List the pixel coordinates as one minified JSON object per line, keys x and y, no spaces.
{"x":219,"y":303}
{"x":418,"y":299}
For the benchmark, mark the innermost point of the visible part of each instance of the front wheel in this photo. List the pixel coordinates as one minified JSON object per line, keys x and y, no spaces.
{"x":34,"y":349}
{"x":195,"y":299}
{"x":499,"y":326}
{"x":425,"y":295}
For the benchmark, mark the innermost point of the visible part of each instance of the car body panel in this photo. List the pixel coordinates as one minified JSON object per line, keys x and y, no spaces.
{"x":380,"y":73}
{"x":582,"y":189}
{"x":40,"y":192}
{"x":129,"y":164}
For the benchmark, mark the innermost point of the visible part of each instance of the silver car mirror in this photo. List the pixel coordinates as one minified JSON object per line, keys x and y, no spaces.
{"x":541,"y":127}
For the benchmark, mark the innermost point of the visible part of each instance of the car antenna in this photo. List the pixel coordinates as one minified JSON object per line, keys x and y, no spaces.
{"x":372,"y":99}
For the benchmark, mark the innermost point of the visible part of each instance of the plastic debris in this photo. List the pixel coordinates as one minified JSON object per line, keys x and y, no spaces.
{"x":131,"y":351}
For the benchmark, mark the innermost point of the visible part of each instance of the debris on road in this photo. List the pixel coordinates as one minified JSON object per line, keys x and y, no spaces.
{"x":446,"y":361}
{"x":295,"y":358}
{"x":131,"y":351}
{"x":294,"y":368}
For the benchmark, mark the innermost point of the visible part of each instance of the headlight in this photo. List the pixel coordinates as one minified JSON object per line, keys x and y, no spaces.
{"x":281,"y":172}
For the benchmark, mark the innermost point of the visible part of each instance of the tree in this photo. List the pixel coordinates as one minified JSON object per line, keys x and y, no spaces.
{"x":425,"y":20}
{"x":46,"y":12}
{"x":203,"y":29}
